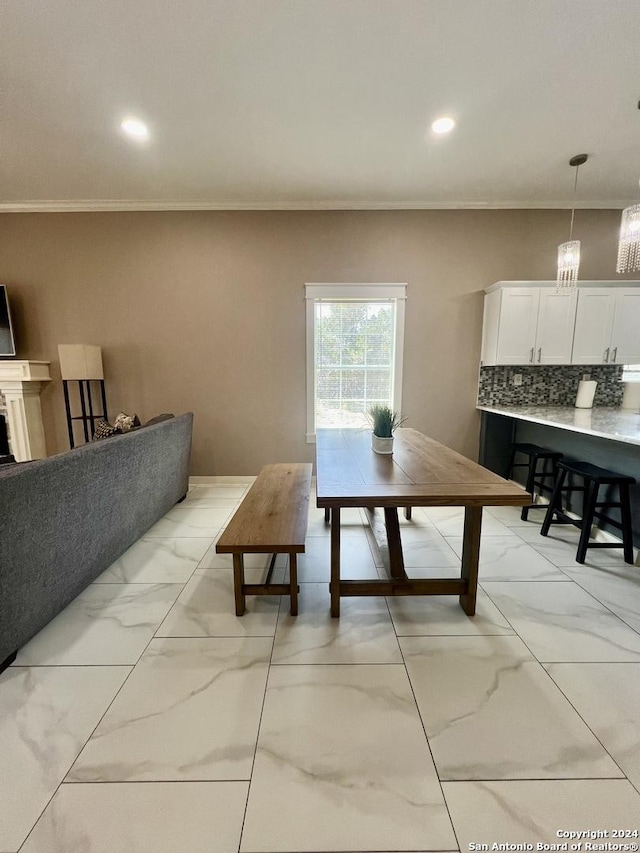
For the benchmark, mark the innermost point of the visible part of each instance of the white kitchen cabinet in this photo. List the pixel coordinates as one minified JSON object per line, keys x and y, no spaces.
{"x":509,"y":328}
{"x":607,"y":326}
{"x":594,"y":321}
{"x":528,"y":325}
{"x":625,"y":335}
{"x":556,"y":319}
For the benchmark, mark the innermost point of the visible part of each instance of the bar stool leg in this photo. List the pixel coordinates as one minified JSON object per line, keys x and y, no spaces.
{"x":529,"y":486}
{"x":589,"y":507}
{"x":554,"y":503}
{"x":625,"y":520}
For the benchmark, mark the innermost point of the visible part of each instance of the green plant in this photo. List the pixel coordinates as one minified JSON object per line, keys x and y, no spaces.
{"x":384,"y":420}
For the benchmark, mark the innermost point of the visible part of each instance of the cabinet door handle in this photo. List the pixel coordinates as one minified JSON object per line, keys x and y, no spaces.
{"x":539,"y":354}
{"x":606,"y":356}
{"x":531,"y":355}
{"x":614,"y":354}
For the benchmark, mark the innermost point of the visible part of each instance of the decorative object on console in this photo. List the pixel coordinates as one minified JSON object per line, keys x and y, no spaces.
{"x":569,"y":252}
{"x":82,"y":363}
{"x":629,"y":245}
{"x":385,"y":421}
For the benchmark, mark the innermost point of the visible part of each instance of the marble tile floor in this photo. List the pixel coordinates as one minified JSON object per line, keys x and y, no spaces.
{"x":147,"y":718}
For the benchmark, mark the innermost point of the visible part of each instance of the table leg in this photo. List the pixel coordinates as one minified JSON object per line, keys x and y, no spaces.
{"x":470,"y":556}
{"x":238,"y":581}
{"x":327,"y":515}
{"x":293,"y":583}
{"x":335,"y":561}
{"x":396,"y":560}
{"x":407,"y":513}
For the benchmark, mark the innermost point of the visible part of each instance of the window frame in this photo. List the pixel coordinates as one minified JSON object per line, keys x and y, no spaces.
{"x":353,"y":292}
{"x":631,"y":373}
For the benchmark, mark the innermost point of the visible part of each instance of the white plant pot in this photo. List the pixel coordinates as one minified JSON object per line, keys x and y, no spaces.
{"x":381,"y":445}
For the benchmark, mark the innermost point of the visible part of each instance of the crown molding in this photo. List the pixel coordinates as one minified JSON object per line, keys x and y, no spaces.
{"x":107,"y":205}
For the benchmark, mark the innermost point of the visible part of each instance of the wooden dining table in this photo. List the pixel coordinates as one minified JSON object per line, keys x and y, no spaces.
{"x":420,"y":472}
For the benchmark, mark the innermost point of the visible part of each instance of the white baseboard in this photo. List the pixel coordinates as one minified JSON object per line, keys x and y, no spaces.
{"x":221,"y":481}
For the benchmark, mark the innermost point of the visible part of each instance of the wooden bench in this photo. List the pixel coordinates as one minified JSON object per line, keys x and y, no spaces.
{"x":272,"y":519}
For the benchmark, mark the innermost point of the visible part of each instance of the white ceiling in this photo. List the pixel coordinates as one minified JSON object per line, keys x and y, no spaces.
{"x":318,"y":103}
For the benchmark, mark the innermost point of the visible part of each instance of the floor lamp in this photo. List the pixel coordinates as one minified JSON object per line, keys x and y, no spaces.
{"x":82,"y":363}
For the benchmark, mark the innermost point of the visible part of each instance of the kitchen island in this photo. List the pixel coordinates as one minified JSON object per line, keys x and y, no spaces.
{"x":615,"y":424}
{"x":609,"y":437}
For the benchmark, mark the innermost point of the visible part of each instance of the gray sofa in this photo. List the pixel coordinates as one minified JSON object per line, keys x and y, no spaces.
{"x":65,"y":519}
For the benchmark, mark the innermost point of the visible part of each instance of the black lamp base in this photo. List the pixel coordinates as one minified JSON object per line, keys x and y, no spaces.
{"x":88,"y":417}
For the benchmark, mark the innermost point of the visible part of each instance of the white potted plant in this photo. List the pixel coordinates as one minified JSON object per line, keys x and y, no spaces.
{"x":385,"y":421}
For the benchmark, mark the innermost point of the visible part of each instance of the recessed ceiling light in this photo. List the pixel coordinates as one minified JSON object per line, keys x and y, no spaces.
{"x":135,"y":128}
{"x":444,"y":124}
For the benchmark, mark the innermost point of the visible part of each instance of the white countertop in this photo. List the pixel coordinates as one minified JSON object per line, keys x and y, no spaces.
{"x":616,"y":424}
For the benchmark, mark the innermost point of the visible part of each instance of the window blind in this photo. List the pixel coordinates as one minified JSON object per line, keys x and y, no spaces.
{"x":631,"y":373}
{"x":354,"y":360}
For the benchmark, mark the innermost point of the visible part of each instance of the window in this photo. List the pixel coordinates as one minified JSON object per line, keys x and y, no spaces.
{"x":631,"y":373}
{"x":355,"y":336}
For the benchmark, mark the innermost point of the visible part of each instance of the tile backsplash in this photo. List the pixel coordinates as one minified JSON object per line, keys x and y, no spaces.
{"x":548,"y":385}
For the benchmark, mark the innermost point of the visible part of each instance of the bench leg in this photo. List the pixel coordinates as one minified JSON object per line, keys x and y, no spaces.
{"x":238,"y":582}
{"x":293,"y":583}
{"x":327,"y":515}
{"x":407,"y":513}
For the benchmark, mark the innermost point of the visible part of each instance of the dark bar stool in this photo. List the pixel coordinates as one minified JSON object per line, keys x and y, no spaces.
{"x":593,"y":477}
{"x":535,"y":477}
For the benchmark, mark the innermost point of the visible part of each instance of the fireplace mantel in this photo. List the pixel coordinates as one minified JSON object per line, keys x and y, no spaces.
{"x":20,"y":384}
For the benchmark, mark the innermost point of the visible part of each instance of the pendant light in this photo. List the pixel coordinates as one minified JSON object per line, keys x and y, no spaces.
{"x":629,"y":245}
{"x":569,"y":252}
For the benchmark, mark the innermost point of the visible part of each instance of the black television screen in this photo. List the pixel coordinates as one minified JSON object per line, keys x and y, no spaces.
{"x":7,"y":343}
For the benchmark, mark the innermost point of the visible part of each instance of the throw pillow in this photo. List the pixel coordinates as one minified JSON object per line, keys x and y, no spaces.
{"x":103,"y":430}
{"x":165,"y":416}
{"x":125,"y":422}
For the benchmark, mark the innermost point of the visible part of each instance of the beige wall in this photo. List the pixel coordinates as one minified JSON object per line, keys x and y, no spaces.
{"x":204,"y":311}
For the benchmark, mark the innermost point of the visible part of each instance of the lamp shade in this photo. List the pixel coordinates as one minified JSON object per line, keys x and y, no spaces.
{"x":629,"y":245}
{"x":569,"y":252}
{"x":568,"y":265}
{"x":80,"y":361}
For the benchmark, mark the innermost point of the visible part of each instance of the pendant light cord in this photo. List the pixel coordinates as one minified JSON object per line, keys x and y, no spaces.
{"x":573,"y":209}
